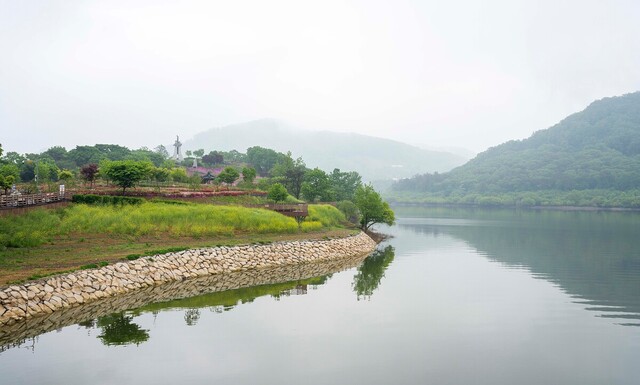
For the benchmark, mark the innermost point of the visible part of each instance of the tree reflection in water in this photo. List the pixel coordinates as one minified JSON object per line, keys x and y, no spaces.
{"x":118,"y":329}
{"x":370,"y":273}
{"x":191,"y":316}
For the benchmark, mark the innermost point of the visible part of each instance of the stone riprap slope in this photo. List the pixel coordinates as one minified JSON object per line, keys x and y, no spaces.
{"x":16,"y":333}
{"x":45,"y":296}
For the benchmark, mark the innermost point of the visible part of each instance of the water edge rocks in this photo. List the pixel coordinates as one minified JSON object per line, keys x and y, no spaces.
{"x":18,"y":302}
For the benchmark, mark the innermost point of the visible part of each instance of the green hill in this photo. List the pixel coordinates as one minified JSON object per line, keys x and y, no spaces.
{"x":595,"y":150}
{"x":374,"y":158}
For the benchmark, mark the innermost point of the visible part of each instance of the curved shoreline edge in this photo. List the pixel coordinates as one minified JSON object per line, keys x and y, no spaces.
{"x":46,"y":296}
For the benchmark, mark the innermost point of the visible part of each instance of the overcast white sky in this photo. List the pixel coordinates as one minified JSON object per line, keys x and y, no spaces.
{"x":469,"y":74}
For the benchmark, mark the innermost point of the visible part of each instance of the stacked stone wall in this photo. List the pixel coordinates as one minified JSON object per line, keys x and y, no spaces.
{"x":19,"y":302}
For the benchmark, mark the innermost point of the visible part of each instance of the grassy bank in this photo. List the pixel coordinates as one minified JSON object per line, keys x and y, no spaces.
{"x":44,"y":241}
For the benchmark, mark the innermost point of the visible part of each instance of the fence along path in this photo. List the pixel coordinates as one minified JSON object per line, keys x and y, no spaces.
{"x":19,"y":201}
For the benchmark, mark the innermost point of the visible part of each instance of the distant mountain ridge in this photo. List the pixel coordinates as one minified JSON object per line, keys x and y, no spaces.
{"x":597,"y":148}
{"x":374,"y":158}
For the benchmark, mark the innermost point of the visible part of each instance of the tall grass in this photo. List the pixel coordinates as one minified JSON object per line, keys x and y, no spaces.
{"x":327,"y":215}
{"x":187,"y":220}
{"x":155,"y":219}
{"x":36,"y":227}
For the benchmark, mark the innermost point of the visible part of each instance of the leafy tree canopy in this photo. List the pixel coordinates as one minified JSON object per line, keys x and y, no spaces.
{"x":228,"y":175}
{"x":263,"y":159}
{"x":248,"y":174}
{"x":277,"y":193}
{"x":290,"y":173}
{"x":126,"y":173}
{"x":372,"y":208}
{"x":317,"y":186}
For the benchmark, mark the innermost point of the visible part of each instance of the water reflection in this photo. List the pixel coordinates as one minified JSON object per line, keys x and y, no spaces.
{"x":593,"y":256}
{"x":371,"y":272}
{"x":218,"y":293}
{"x":222,"y":301}
{"x":119,"y":329}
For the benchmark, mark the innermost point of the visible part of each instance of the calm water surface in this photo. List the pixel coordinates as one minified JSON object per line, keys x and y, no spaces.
{"x":455,"y":297}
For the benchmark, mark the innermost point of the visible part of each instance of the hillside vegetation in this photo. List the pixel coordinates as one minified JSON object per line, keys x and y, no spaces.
{"x":593,"y":153}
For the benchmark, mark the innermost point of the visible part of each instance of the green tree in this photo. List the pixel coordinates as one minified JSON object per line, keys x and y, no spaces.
{"x":144,"y":153}
{"x":235,"y":157}
{"x":198,"y":153}
{"x":14,"y":158}
{"x":213,"y":157}
{"x":277,"y":193}
{"x":248,"y":174}
{"x":162,"y":150}
{"x":65,"y":175}
{"x":316,"y":186}
{"x":59,"y":156}
{"x":46,"y":171}
{"x":263,"y":159}
{"x":372,"y":208}
{"x":179,"y":175}
{"x":10,"y":169}
{"x":159,"y":175}
{"x":290,"y":173}
{"x":344,"y":184}
{"x":228,"y":175}
{"x":126,"y":173}
{"x":6,"y":182}
{"x":85,"y":155}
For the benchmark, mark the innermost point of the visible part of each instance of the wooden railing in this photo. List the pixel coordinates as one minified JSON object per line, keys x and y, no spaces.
{"x":290,"y":210}
{"x":16,"y":201}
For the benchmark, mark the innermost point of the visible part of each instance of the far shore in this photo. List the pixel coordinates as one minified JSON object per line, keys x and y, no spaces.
{"x":554,"y":208}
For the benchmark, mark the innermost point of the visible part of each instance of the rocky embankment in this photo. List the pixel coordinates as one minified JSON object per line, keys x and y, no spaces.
{"x":19,"y":302}
{"x":18,"y":332}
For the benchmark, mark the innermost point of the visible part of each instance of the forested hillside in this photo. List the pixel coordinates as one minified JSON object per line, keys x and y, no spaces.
{"x":595,"y":149}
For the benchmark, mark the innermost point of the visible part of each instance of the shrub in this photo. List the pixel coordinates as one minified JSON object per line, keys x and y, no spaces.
{"x":91,"y":199}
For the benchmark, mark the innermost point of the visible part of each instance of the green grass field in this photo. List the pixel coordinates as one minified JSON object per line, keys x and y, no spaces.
{"x":48,"y":240}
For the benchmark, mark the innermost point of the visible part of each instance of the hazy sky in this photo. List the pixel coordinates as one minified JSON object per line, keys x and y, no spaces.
{"x":441,"y":73}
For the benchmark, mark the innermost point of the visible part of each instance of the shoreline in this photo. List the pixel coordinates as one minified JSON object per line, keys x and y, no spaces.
{"x":48,"y":295}
{"x":171,"y":291}
{"x":511,"y":207}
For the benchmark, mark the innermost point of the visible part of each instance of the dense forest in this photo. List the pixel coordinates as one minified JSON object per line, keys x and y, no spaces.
{"x":587,"y":157}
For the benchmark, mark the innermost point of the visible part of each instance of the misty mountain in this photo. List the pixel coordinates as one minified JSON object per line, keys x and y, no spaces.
{"x":374,"y":158}
{"x":598,"y":148}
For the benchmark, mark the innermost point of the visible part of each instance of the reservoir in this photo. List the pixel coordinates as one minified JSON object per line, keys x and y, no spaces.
{"x":454,"y":296}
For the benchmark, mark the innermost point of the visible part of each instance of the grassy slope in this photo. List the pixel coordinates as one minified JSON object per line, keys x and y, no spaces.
{"x":46,"y":241}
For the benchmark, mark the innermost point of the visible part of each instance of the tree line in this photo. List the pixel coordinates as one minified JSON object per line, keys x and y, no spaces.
{"x":262,"y":168}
